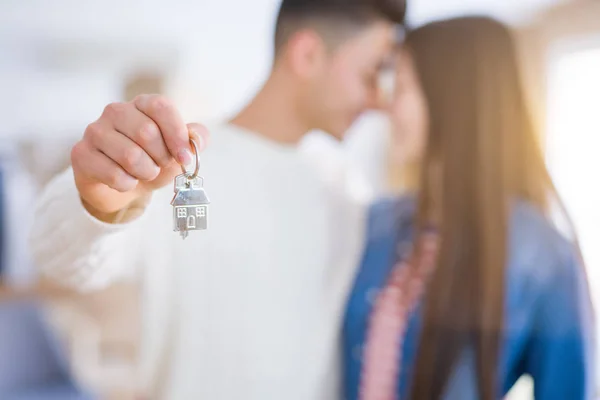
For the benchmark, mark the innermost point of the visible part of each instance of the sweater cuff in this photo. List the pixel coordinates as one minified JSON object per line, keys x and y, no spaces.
{"x":73,"y":247}
{"x":66,"y":191}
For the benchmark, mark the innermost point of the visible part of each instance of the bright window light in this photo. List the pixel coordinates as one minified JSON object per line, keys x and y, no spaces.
{"x":573,"y":147}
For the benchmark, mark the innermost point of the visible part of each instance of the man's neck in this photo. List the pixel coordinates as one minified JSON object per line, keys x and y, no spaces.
{"x":272,"y":115}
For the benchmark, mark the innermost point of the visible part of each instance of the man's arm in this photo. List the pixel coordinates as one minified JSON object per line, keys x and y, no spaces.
{"x":76,"y":249}
{"x":87,"y":224}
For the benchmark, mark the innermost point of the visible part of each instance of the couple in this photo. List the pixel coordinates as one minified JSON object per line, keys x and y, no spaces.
{"x":299,"y":290}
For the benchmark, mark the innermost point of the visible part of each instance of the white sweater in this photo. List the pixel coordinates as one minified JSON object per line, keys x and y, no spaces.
{"x":254,"y":303}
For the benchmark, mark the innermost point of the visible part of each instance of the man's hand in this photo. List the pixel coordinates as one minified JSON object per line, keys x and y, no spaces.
{"x":131,"y":150}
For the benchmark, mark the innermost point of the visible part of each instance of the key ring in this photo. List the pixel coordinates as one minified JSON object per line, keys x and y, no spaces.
{"x":194,"y":175}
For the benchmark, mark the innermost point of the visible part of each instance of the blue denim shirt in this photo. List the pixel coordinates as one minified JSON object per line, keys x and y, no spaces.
{"x":548,"y":330}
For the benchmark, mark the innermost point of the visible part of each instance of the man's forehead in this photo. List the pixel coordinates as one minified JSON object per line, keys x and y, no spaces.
{"x":390,"y":57}
{"x":399,"y":35}
{"x":397,"y":41}
{"x":379,"y":33}
{"x":394,"y":41}
{"x":395,"y":34}
{"x":377,"y":44}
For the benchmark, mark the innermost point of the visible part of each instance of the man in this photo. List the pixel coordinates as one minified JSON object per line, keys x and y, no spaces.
{"x":250,"y":308}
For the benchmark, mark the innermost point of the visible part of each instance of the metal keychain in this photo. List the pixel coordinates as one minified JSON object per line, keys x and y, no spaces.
{"x":190,"y":203}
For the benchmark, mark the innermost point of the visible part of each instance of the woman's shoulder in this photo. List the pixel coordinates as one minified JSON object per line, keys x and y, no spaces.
{"x":530,"y":226}
{"x":537,"y":248}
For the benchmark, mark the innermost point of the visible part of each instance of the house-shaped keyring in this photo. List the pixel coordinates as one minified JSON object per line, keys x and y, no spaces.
{"x":190,"y":204}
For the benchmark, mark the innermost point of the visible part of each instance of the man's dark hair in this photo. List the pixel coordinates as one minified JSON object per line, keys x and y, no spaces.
{"x":333,"y":18}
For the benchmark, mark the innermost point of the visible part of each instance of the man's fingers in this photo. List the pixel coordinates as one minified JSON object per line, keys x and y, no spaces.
{"x":97,"y":166}
{"x":123,"y":151}
{"x":173,"y":129}
{"x":141,"y":129}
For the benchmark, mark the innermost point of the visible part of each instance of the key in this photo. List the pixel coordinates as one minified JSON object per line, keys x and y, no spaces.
{"x":190,"y":205}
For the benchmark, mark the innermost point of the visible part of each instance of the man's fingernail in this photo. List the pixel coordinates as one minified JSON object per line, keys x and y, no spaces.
{"x":184,"y":157}
{"x":142,"y":101}
{"x":156,"y":169}
{"x":129,"y":180}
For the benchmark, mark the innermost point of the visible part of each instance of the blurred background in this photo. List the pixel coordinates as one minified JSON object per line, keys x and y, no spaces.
{"x":61,"y":62}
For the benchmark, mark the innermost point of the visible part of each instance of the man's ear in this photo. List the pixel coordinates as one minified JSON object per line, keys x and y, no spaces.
{"x":306,"y":53}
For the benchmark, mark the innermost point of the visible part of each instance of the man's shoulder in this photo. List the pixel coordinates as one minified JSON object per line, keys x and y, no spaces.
{"x":334,"y":168}
{"x":224,"y":144}
{"x":218,"y":130}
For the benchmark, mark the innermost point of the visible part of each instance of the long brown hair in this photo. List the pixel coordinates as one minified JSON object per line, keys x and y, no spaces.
{"x":482,"y":151}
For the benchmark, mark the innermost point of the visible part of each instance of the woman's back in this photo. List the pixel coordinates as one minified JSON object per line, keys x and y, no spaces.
{"x":547,"y":320}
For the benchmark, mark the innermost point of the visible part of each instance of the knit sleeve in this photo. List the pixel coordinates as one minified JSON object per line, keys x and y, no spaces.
{"x":76,"y":250}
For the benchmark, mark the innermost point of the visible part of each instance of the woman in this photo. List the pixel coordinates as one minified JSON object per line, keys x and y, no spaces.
{"x":467,"y":285}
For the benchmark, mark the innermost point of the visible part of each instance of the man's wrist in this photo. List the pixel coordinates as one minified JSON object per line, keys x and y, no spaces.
{"x":129,"y":213}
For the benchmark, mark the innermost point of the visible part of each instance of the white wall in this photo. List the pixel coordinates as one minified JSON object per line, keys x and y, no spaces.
{"x":66,"y":59}
{"x":573,"y":143}
{"x":63,"y":60}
